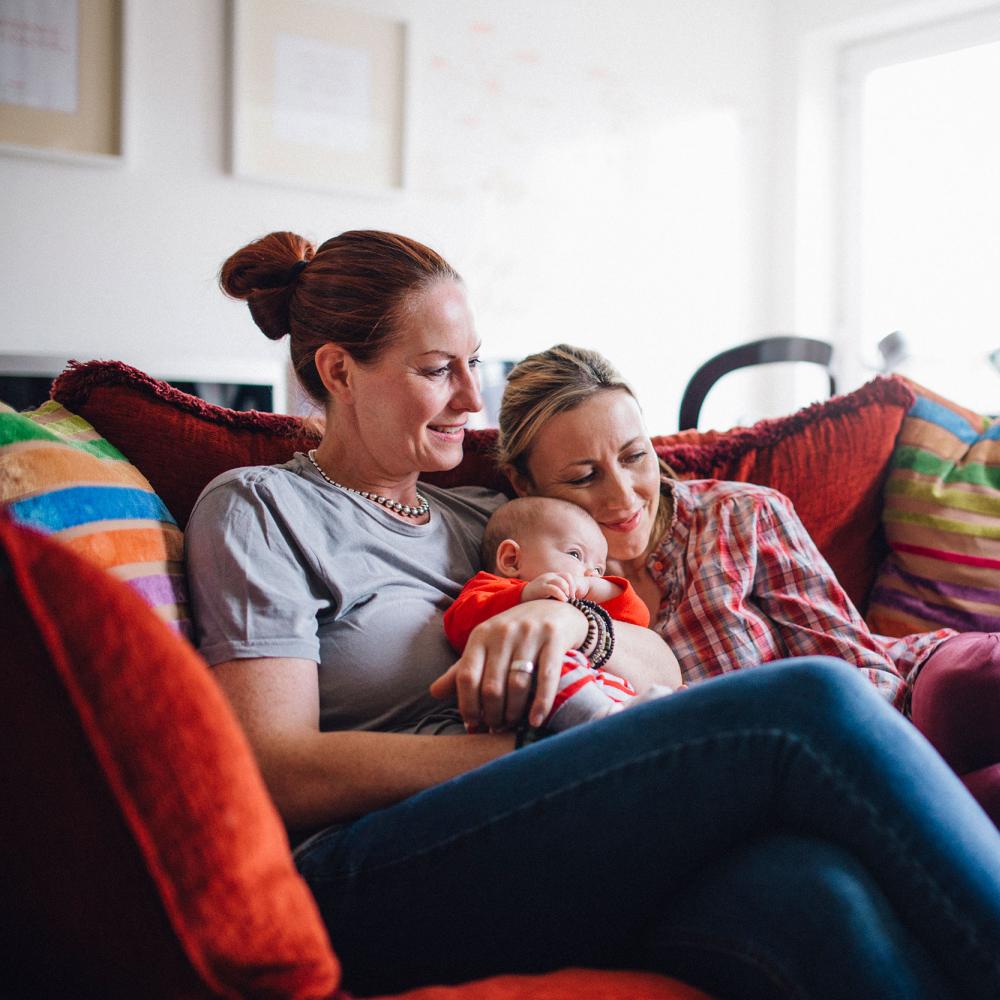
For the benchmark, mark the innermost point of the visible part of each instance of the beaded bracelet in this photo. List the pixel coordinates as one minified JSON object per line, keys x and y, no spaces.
{"x":600,"y":641}
{"x":601,"y":656}
{"x":594,"y":624}
{"x":590,"y":641}
{"x":596,"y":629}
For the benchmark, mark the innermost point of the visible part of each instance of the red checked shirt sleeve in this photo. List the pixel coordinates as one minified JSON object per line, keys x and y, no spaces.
{"x":744,"y":584}
{"x":800,"y":593}
{"x":484,"y":596}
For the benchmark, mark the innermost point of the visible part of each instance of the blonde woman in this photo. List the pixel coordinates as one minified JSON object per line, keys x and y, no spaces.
{"x":728,"y":573}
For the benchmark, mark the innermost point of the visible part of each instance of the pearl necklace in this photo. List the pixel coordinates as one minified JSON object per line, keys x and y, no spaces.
{"x":423,"y":507}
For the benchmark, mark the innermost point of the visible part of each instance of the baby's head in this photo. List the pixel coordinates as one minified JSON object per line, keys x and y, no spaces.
{"x":533,"y":535}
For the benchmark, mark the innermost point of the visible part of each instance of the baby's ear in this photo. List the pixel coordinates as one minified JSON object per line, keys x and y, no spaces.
{"x":508,"y":558}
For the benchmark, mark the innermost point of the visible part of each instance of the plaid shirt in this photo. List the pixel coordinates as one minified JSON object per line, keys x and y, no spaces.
{"x":744,"y":584}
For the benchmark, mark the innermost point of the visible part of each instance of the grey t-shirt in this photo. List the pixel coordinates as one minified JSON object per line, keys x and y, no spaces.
{"x":281,"y":563}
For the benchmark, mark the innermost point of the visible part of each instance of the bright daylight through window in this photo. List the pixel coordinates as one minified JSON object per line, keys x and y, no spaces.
{"x":928,"y":223}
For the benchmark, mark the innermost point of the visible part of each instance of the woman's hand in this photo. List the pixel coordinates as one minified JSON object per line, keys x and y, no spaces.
{"x":492,"y":694}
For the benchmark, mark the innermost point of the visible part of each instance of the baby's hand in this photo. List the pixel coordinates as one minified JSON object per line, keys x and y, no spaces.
{"x":653,"y":692}
{"x":558,"y":586}
{"x":597,"y":589}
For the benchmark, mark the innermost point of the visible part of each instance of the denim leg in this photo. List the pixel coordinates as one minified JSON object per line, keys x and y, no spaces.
{"x":751,"y":903}
{"x":571,"y":850}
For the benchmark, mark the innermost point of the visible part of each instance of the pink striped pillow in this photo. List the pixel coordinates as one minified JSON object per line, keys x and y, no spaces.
{"x":942,"y":521}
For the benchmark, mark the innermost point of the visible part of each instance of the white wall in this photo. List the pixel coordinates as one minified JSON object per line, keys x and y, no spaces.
{"x":596,"y":169}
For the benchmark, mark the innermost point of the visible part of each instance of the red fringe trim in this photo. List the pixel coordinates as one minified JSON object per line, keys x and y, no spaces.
{"x":73,"y":387}
{"x":727,"y":446}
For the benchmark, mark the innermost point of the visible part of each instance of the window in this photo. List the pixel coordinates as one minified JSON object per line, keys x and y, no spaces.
{"x":921,"y":201}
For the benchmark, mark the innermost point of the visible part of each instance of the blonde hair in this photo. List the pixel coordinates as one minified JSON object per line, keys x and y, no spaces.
{"x":551,"y":382}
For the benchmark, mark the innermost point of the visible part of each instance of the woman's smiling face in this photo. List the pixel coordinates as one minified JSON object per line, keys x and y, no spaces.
{"x":411,"y":405}
{"x":599,"y":456}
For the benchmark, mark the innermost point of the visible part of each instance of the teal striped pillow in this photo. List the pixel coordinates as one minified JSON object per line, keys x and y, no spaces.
{"x":942,"y":521}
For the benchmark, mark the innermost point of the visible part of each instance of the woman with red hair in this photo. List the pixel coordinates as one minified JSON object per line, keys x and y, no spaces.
{"x":848,"y":858}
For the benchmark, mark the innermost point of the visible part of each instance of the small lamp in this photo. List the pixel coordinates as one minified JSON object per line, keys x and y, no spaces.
{"x":894,"y":350}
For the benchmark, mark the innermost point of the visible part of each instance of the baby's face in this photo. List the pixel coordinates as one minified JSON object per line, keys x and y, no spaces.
{"x":573,"y":545}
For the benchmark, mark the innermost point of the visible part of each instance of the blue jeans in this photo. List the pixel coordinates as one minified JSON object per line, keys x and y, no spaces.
{"x":779,"y":832}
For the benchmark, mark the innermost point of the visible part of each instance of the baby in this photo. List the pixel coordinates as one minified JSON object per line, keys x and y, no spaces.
{"x":536,"y":548}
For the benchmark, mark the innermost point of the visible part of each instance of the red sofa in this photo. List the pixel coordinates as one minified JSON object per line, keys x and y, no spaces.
{"x":147,"y":858}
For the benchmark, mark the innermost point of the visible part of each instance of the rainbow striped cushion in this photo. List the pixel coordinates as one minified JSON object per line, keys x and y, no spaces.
{"x":60,"y":476}
{"x":942,"y":522}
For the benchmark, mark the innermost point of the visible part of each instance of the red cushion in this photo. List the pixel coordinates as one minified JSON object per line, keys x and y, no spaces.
{"x":568,"y":984}
{"x":181,"y":442}
{"x":144,"y":857}
{"x":830,"y":459}
{"x":178,"y":441}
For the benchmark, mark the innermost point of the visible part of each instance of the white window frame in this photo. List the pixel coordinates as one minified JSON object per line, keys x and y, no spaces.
{"x":856,"y":61}
{"x":825,"y":233}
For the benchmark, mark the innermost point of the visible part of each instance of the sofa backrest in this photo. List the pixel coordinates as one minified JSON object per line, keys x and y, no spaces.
{"x":830,"y":459}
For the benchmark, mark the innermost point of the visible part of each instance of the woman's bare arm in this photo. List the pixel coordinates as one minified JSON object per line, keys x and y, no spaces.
{"x":316,"y":778}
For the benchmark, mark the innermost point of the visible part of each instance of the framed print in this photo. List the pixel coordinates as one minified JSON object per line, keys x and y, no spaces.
{"x":61,"y":78}
{"x":318,"y":95}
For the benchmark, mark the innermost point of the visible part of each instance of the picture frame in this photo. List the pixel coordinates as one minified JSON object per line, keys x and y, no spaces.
{"x":318,"y":95}
{"x":61,"y":80}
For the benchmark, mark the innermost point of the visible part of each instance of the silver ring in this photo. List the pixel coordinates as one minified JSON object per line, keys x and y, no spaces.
{"x":522,"y":667}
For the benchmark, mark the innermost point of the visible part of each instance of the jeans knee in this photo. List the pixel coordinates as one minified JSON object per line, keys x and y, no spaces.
{"x":824,"y":699}
{"x":818,"y":680}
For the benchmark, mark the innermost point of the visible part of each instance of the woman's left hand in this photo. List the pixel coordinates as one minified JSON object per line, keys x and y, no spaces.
{"x":490,"y":682}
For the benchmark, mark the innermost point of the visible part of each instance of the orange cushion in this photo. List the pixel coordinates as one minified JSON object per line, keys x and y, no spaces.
{"x":567,"y":984}
{"x":830,"y":458}
{"x":144,"y":855}
{"x":178,"y":441}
